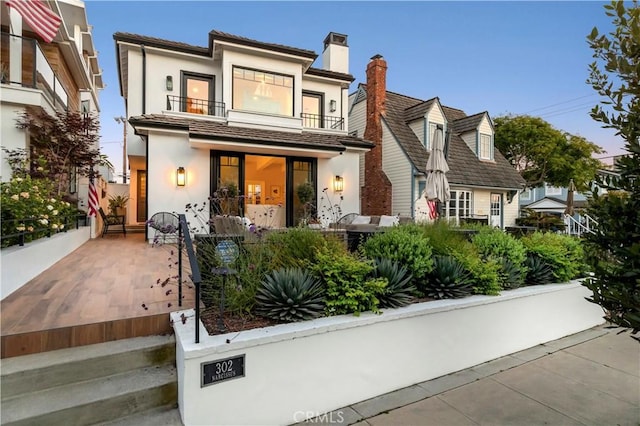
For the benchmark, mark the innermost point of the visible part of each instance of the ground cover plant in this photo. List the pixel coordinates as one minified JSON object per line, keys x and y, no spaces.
{"x":300,"y":273}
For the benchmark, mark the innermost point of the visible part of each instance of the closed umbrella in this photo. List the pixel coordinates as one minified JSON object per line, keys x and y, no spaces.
{"x":437,"y":185}
{"x":570,"y":190}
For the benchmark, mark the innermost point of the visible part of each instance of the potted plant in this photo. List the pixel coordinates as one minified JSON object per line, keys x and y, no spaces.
{"x":306,"y":193}
{"x":118,"y":205}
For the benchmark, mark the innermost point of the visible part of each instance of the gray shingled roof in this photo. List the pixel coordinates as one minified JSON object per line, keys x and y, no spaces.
{"x":206,"y":129}
{"x":418,"y":110}
{"x":464,"y":166}
{"x":468,"y":123}
{"x":222,"y":36}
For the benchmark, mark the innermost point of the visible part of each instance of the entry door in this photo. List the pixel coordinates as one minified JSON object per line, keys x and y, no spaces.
{"x":495,"y":217}
{"x":141,"y":205}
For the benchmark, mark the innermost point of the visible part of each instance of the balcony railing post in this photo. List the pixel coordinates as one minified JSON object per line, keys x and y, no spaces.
{"x":179,"y":265}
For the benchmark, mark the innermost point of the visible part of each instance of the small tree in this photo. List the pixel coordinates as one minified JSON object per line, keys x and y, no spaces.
{"x":615,"y":247}
{"x":66,"y":140}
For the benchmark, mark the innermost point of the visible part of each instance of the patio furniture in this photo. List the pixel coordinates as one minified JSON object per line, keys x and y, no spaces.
{"x":112,"y":224}
{"x":165,"y":224}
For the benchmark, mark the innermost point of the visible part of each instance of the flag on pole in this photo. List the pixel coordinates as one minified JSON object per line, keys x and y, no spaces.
{"x":93,"y":197}
{"x":39,"y":17}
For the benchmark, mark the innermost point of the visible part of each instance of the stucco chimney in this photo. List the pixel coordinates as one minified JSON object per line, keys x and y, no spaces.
{"x":335,"y":56}
{"x":377,"y":191}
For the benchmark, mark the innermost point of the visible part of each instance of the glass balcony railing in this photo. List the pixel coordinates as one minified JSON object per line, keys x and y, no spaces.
{"x":36,"y":72}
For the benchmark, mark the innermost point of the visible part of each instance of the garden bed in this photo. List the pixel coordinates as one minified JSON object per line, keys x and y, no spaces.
{"x":324,"y":364}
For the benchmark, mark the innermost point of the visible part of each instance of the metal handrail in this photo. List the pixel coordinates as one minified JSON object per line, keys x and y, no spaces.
{"x":317,"y":121}
{"x":183,"y":234}
{"x":195,"y":106}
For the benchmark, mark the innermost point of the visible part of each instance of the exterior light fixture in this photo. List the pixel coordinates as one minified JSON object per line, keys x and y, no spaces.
{"x":169,"y":83}
{"x":181,"y":176}
{"x":332,"y":105}
{"x":338,"y":184}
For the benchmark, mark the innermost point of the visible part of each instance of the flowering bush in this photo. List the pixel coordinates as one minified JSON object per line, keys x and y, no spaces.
{"x":29,"y":207}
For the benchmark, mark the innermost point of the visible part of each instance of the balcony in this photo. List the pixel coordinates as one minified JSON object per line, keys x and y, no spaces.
{"x":316,"y":121}
{"x":36,"y":72}
{"x":195,"y":106}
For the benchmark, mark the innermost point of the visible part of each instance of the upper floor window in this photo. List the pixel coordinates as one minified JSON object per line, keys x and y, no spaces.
{"x":261,"y":91}
{"x":525,"y":195}
{"x":552,"y":190}
{"x":312,"y":110}
{"x":428,"y":141}
{"x":485,"y":148}
{"x":197,"y":93}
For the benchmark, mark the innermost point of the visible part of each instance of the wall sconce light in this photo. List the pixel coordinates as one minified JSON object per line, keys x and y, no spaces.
{"x":332,"y":105}
{"x":181,"y":176}
{"x":169,"y":83}
{"x":338,"y":184}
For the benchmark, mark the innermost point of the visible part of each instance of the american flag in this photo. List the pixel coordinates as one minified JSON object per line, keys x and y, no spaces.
{"x":93,"y":197}
{"x":39,"y":17}
{"x":433,"y":209}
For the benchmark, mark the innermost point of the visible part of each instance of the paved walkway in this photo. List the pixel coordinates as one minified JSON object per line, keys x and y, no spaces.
{"x":589,"y":378}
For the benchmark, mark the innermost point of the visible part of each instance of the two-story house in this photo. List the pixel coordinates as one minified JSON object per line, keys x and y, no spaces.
{"x":483,"y":184}
{"x":61,"y":75}
{"x":237,"y":113}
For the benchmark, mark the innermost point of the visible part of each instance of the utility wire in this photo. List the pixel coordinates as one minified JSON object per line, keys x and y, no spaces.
{"x":565,"y":111}
{"x":560,"y":103}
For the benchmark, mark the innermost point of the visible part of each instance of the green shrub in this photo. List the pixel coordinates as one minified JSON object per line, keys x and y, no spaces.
{"x":405,"y":244}
{"x":510,"y":276}
{"x":443,"y":239}
{"x":538,"y":271}
{"x":290,"y":295}
{"x":399,"y":290}
{"x":348,"y":288}
{"x":492,"y":242}
{"x":563,"y":253}
{"x":294,"y":248}
{"x":484,"y":272}
{"x":448,"y":280}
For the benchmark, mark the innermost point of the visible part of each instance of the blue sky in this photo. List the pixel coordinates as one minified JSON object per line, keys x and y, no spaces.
{"x":501,"y":57}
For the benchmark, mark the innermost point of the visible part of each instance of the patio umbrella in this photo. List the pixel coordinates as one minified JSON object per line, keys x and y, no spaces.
{"x":571,"y":189}
{"x":437,"y":185}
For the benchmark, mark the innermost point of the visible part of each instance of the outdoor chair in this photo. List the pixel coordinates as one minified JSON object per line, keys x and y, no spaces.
{"x":112,"y":224}
{"x":165,"y":224}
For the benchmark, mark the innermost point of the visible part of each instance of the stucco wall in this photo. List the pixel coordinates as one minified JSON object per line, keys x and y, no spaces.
{"x":325,"y":364}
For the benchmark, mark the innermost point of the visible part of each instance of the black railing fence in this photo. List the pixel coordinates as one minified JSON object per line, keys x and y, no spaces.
{"x":21,"y":231}
{"x":195,"y":106}
{"x":322,"y":121}
{"x":184,"y":242}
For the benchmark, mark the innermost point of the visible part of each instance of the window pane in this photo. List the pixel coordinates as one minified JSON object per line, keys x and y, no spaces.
{"x":261,"y":91}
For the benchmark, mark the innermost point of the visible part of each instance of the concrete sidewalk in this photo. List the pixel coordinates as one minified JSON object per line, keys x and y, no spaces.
{"x":589,"y":378}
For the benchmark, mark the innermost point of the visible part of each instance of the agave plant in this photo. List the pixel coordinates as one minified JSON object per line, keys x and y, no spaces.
{"x":399,"y":290}
{"x":538,"y":271}
{"x":448,"y":280}
{"x":511,"y":275}
{"x":290,"y":294}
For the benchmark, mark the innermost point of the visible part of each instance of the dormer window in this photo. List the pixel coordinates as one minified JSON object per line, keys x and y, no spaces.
{"x":485,"y":148}
{"x":262,"y":91}
{"x":428,"y":141}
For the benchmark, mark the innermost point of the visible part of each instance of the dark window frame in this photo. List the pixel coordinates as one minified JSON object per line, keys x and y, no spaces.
{"x":293,"y":86}
{"x":187,"y":75}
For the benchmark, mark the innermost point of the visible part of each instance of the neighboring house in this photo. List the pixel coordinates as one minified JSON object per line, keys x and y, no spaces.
{"x":61,"y":75}
{"x":237,"y":112}
{"x":483,"y":184}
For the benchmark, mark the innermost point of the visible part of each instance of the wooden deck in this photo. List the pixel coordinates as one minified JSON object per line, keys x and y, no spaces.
{"x":93,"y":295}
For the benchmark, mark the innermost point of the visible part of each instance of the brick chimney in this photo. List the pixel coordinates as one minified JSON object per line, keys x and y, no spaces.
{"x":376,"y":193}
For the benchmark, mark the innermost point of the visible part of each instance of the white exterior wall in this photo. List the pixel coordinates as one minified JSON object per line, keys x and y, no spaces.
{"x":421,"y":211}
{"x":482,"y":205}
{"x":342,"y":165}
{"x":356,"y":358}
{"x":485,"y":126}
{"x":481,"y":201}
{"x":358,"y":122}
{"x":331,"y":92}
{"x":418,"y":128}
{"x":170,"y":151}
{"x":511,"y":210}
{"x":398,"y":169}
{"x":435,"y":115}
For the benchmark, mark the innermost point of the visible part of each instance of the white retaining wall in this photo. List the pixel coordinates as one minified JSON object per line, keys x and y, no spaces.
{"x":21,"y":264}
{"x":322,"y":365}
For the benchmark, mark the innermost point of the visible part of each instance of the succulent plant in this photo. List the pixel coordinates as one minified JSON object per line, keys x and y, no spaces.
{"x":399,"y":290}
{"x":448,"y":280}
{"x":511,"y":275}
{"x":290,"y":294}
{"x":538,"y":271}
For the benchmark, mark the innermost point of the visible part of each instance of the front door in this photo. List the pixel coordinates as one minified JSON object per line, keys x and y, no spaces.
{"x":141,"y":205}
{"x":495,"y":217}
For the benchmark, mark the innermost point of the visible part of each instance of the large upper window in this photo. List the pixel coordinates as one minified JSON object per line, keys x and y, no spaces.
{"x":261,"y":91}
{"x":485,"y":148}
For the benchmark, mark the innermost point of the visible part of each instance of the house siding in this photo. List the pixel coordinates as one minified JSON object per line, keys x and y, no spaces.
{"x":511,"y":210}
{"x":434,"y":116}
{"x":398,"y":169}
{"x":357,"y":122}
{"x":470,"y":138}
{"x":418,"y":127}
{"x":486,"y":129}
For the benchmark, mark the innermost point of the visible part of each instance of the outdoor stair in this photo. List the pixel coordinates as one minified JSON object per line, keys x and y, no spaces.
{"x":123,"y":382}
{"x":135,"y":228}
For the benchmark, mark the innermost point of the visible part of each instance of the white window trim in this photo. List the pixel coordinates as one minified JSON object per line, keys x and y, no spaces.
{"x":490,"y":157}
{"x":525,"y":195}
{"x":552,"y":190}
